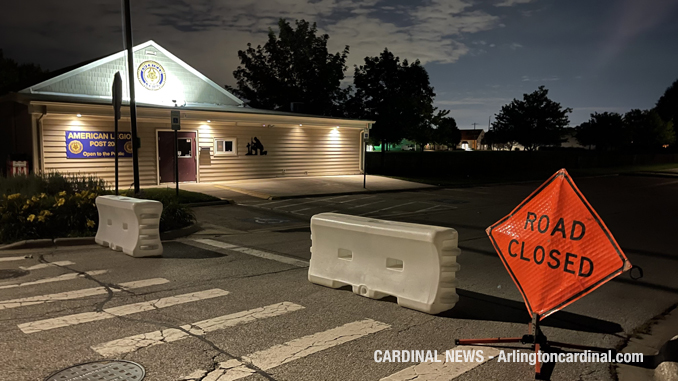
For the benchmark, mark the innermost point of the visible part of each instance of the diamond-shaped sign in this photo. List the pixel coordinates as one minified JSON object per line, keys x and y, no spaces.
{"x":556,"y":247}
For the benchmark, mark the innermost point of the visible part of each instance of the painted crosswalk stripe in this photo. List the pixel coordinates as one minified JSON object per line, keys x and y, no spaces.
{"x":9,"y":259}
{"x":59,"y":278}
{"x":292,"y":350}
{"x":133,"y":343}
{"x":45,"y":265}
{"x":68,"y":295}
{"x":253,"y":252}
{"x":443,"y":371}
{"x":65,"y":321}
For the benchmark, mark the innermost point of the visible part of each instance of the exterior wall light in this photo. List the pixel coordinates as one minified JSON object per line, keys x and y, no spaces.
{"x":79,"y":115}
{"x":209,"y":121}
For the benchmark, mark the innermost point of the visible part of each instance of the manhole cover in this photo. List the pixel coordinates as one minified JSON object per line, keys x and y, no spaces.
{"x":7,"y":274}
{"x":113,"y":370}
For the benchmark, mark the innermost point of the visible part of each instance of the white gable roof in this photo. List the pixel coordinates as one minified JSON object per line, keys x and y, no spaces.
{"x":182,"y":83}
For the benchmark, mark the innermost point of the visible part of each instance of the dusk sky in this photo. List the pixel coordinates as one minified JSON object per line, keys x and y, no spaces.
{"x":601,"y":55}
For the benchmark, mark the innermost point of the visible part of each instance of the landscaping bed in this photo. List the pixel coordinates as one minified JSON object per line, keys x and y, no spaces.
{"x":55,"y":205}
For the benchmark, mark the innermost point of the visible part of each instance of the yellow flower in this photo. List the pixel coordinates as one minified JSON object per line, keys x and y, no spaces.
{"x":42,"y":195}
{"x":13,"y":196}
{"x":41,"y":218}
{"x":60,"y":202}
{"x":45,"y":213}
{"x":24,"y":207}
{"x":31,"y":217}
{"x":90,"y":223}
{"x":34,"y":199}
{"x":92,"y":195}
{"x":62,"y":193}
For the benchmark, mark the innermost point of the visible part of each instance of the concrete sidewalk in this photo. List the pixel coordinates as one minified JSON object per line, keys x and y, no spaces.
{"x":293,"y":187}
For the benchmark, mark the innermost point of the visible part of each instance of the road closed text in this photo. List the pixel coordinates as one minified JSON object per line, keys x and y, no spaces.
{"x":571,"y":263}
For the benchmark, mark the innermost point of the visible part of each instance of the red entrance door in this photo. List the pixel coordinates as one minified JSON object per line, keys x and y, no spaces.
{"x":187,"y":156}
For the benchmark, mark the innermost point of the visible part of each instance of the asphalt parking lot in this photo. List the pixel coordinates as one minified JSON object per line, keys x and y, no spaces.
{"x":233,"y":301}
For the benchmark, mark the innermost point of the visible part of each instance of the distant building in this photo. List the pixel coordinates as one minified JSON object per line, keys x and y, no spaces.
{"x":471,"y":140}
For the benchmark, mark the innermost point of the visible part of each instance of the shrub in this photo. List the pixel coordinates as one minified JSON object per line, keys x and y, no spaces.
{"x":54,"y":205}
{"x":51,"y":183}
{"x":47,"y":216}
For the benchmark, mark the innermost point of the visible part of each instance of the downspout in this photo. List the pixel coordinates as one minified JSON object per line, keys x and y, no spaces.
{"x":37,"y":146}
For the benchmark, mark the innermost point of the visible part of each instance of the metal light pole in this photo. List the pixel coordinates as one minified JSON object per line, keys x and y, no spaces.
{"x":132,"y":100}
{"x":117,"y":102}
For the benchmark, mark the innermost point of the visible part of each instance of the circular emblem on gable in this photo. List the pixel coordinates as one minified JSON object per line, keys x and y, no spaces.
{"x":75,"y":147}
{"x":151,"y":75}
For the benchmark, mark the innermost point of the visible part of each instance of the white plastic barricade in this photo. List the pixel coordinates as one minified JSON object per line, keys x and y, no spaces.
{"x":415,"y":263}
{"x":130,"y":225}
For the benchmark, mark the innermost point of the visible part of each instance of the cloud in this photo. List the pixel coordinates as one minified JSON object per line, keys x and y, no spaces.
{"x":209,"y":33}
{"x":472,"y":101}
{"x":551,"y":78}
{"x":510,"y":3}
{"x":630,"y":19}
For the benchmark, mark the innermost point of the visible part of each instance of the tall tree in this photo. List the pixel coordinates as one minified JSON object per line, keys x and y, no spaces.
{"x":533,"y":122}
{"x":13,"y":73}
{"x":397,"y":95}
{"x":447,"y":133}
{"x":667,"y":106}
{"x":605,"y":131}
{"x":293,"y":66}
{"x":647,"y":130}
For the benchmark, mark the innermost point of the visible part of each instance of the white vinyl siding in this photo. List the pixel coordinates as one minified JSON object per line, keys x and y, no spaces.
{"x":299,"y":151}
{"x":54,"y":150}
{"x":291,"y":151}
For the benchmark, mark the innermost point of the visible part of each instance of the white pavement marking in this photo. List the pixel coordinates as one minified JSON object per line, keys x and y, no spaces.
{"x":420,"y":211}
{"x":55,"y":279}
{"x":8,"y":259}
{"x":271,"y":256}
{"x":68,"y":295}
{"x":443,"y":371}
{"x":369,"y":203}
{"x":299,"y":210}
{"x":390,"y":207}
{"x":292,"y":350}
{"x":45,"y":265}
{"x":215,"y":243}
{"x":133,"y":343}
{"x":253,"y":252}
{"x":108,"y":313}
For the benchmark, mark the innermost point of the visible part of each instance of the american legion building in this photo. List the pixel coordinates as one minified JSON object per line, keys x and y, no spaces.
{"x":66,"y":124}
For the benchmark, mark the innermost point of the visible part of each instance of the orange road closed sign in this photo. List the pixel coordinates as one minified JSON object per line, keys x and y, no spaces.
{"x":556,"y":247}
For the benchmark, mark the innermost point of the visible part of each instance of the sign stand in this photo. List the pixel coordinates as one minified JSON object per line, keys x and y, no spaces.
{"x":557,"y":250}
{"x":538,"y":342}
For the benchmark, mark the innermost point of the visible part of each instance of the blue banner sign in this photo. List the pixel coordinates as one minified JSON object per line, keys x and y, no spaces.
{"x":97,"y":144}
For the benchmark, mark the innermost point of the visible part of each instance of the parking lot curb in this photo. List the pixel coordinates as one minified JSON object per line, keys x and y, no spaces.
{"x":74,"y":241}
{"x":659,"y":347}
{"x":208,"y":203}
{"x":29,"y":244}
{"x":429,"y":187}
{"x":179,"y":233}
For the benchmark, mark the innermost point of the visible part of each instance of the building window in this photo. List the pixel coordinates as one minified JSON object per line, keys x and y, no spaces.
{"x":185,"y":148}
{"x":226,"y":146}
